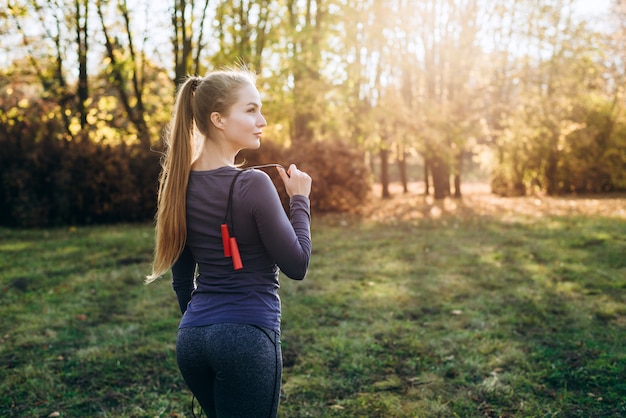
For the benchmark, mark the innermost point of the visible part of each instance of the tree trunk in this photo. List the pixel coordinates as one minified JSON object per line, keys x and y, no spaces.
{"x":551,"y":173}
{"x":457,"y":176}
{"x":401,"y":160}
{"x":441,"y":178}
{"x":181,"y":42}
{"x":82,"y":9}
{"x":384,"y":171}
{"x":306,"y":64}
{"x":302,"y":132}
{"x":457,"y":186}
{"x":426,"y":177}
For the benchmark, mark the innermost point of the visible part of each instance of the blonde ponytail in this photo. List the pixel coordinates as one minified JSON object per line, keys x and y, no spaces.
{"x":171,"y":223}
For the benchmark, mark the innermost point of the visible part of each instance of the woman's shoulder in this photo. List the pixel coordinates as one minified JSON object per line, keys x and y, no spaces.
{"x":256,"y":176}
{"x":256,"y":182}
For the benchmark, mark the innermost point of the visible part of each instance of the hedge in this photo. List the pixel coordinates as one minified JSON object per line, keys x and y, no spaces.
{"x":47,"y":181}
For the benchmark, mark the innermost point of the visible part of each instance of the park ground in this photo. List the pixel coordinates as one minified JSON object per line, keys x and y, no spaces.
{"x":474,"y":307}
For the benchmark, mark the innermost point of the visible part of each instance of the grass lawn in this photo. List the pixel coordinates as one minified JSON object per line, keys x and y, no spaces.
{"x":483,"y":307}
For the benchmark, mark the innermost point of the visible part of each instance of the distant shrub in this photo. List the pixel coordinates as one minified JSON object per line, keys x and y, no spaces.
{"x":341,"y":179}
{"x":48,"y":181}
{"x":590,"y":159}
{"x":504,"y":183}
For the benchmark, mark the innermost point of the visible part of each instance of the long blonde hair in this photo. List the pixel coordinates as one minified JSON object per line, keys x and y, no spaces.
{"x":196,"y":100}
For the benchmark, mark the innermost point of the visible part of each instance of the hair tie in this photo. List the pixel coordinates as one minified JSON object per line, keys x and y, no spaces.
{"x":195,"y":82}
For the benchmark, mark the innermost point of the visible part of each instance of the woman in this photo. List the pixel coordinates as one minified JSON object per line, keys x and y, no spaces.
{"x":224,"y":234}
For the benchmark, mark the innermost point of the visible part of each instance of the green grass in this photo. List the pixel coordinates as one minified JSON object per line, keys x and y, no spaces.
{"x":461,"y":316}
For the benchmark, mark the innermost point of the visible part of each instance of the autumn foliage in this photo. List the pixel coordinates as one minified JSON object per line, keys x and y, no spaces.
{"x":341,"y":179}
{"x":47,"y":181}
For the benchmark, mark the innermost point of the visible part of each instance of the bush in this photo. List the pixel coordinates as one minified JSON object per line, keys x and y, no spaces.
{"x":341,"y":179}
{"x":48,"y":181}
{"x":503,"y":183}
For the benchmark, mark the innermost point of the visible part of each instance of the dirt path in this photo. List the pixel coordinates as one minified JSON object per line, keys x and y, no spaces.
{"x":478,"y":200}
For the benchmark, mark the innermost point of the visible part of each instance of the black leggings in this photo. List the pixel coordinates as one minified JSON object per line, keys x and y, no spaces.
{"x":233,"y":370}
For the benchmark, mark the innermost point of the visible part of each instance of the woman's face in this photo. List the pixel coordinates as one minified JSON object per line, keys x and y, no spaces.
{"x":243,"y":124}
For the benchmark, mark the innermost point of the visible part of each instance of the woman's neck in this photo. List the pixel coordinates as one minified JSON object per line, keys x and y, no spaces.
{"x":212,"y":157}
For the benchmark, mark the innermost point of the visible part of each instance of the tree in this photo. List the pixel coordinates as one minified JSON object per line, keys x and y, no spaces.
{"x":435,"y":45}
{"x":547,"y":125}
{"x":370,"y":115}
{"x":187,"y":48}
{"x":306,"y":31}
{"x":82,"y":43}
{"x":126,"y":69}
{"x":244,"y":30}
{"x":55,"y":25}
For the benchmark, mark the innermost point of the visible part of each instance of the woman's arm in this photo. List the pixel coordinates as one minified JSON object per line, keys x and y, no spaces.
{"x":183,"y":274}
{"x":287,"y":241}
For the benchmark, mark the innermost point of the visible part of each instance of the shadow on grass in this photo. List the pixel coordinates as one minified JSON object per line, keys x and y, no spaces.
{"x":81,"y":335}
{"x":472,"y":316}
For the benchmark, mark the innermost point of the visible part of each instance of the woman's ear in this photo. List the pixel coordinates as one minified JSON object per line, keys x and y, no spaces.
{"x":217,"y":121}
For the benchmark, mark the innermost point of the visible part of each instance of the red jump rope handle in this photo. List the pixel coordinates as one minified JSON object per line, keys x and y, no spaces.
{"x":226,"y":240}
{"x":234,"y":249}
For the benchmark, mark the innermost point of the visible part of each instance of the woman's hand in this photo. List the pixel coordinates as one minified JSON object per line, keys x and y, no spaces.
{"x":296,"y":181}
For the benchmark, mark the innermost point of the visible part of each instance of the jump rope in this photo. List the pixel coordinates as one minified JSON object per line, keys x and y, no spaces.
{"x":229,"y":242}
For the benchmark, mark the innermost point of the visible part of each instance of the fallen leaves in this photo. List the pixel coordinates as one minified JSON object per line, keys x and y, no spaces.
{"x":479,"y":201}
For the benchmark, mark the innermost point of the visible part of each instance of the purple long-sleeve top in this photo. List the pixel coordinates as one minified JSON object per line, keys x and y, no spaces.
{"x":268,"y":241}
